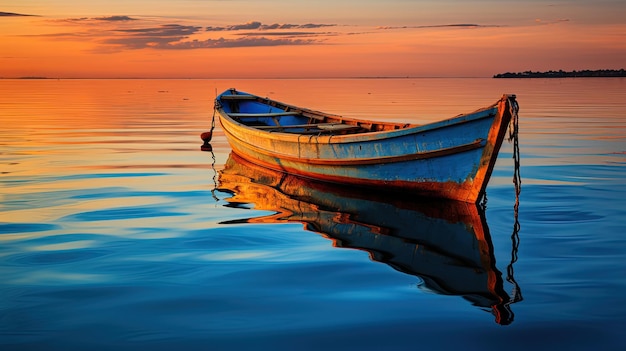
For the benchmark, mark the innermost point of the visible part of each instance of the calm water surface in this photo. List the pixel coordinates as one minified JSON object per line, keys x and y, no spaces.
{"x":117,"y":232}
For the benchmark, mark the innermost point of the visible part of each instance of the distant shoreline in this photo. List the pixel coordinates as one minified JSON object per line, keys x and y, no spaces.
{"x":602,"y":73}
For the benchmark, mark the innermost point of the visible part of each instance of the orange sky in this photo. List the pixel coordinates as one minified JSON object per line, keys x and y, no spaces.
{"x":279,"y":38}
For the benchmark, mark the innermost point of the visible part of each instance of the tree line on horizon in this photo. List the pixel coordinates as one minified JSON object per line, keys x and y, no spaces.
{"x":564,"y":74}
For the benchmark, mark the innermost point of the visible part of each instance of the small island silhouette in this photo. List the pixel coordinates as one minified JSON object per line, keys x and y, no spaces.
{"x":564,"y":74}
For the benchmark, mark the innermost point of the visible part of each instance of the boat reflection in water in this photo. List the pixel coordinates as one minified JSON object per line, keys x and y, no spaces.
{"x":446,"y":244}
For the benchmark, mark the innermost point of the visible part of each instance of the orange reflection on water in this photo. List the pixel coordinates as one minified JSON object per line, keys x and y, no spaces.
{"x":446,"y":244}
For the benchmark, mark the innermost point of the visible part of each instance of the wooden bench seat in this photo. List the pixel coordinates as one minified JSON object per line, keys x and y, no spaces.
{"x":238,"y":97}
{"x":256,"y":115}
{"x":336,"y":126}
{"x":322,"y":126}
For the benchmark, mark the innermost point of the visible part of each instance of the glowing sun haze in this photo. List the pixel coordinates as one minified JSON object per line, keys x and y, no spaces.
{"x":296,"y":38}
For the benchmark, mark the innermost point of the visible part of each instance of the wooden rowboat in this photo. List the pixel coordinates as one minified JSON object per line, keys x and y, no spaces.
{"x":452,"y":158}
{"x":446,"y":244}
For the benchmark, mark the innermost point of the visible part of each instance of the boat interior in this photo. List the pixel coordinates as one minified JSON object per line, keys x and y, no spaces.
{"x":270,"y":115}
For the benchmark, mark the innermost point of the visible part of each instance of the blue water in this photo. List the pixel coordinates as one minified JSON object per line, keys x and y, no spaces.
{"x":115,"y":232}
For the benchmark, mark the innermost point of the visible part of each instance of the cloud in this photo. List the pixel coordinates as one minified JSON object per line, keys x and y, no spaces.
{"x":174,"y":37}
{"x":287,"y":34}
{"x":101,"y":19}
{"x":11,"y":14}
{"x":454,"y":25}
{"x":236,"y":43}
{"x":162,"y":36}
{"x":543,"y":22}
{"x":115,"y":18}
{"x":261,"y":26}
{"x":168,"y":43}
{"x":166,"y":30}
{"x":118,"y":33}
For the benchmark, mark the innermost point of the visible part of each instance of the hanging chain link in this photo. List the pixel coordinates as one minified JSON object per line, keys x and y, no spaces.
{"x":517,"y":180}
{"x":215,"y":107}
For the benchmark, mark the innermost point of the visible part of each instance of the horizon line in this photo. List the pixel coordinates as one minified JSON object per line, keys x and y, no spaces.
{"x":201,"y":78}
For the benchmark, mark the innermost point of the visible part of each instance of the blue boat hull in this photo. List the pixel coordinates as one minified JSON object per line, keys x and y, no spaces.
{"x":451,"y":159}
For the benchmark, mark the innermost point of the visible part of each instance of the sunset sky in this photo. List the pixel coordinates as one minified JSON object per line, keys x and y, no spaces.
{"x":297,"y":38}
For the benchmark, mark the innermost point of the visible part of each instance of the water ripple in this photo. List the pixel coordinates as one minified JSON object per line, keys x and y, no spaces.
{"x":59,"y":257}
{"x":16,"y":228}
{"x":122,"y":214}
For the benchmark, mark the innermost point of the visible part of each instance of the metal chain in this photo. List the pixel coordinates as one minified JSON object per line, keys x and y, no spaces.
{"x":517,"y":180}
{"x":215,"y":186}
{"x":215,"y":107}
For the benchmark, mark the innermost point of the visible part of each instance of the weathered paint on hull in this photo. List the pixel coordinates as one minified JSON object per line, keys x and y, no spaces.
{"x":450,"y":159}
